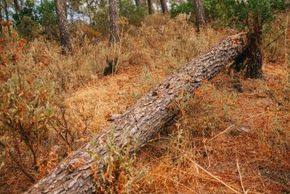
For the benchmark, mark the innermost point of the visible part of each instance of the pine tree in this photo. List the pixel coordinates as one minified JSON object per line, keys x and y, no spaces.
{"x":60,"y":6}
{"x":114,"y":16}
{"x":200,"y":16}
{"x":150,"y":7}
{"x":164,"y":6}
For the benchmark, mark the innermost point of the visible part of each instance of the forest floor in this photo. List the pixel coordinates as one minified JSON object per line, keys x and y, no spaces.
{"x":232,"y":137}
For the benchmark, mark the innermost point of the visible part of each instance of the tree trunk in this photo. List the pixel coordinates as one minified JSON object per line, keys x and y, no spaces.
{"x":17,"y":6}
{"x":1,"y":19}
{"x":114,"y":17}
{"x":7,"y":15}
{"x":250,"y":63}
{"x":164,"y":6}
{"x":21,"y":4}
{"x":60,"y":6}
{"x":137,"y":3}
{"x":200,"y":16}
{"x":255,"y":62}
{"x":141,"y":122}
{"x":150,"y":7}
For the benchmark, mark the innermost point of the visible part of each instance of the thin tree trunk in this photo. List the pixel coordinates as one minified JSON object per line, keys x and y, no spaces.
{"x":255,"y":62}
{"x":137,"y":3}
{"x":114,"y":17}
{"x":7,"y":15}
{"x":200,"y":16}
{"x":1,"y":19}
{"x":60,"y":6}
{"x":112,"y":59}
{"x":140,"y":123}
{"x":164,"y":6}
{"x":17,"y":6}
{"x":150,"y":7}
{"x":21,"y":4}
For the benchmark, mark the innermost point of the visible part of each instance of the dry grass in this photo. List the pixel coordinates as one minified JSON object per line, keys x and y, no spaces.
{"x":224,"y":142}
{"x":220,"y":127}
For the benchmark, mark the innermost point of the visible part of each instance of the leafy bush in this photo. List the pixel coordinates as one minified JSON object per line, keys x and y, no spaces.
{"x":48,"y":18}
{"x":27,"y":21}
{"x":28,"y":28}
{"x":185,"y":8}
{"x":101,"y":21}
{"x":210,"y":7}
{"x":34,"y":20}
{"x":135,"y":15}
{"x":240,"y":13}
{"x":232,"y":12}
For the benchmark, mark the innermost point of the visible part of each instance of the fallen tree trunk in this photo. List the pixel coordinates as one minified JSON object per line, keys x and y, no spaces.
{"x":146,"y":118}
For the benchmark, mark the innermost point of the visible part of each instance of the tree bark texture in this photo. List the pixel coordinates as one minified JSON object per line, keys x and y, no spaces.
{"x":141,"y":122}
{"x":137,"y":3}
{"x":60,"y":6}
{"x":1,"y":19}
{"x":164,"y":6}
{"x":255,"y":62}
{"x":114,"y":17}
{"x":7,"y":15}
{"x":200,"y":16}
{"x":17,"y":6}
{"x":150,"y":7}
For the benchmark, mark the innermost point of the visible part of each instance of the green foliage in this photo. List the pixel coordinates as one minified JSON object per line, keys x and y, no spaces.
{"x":27,"y":21}
{"x":128,"y":10}
{"x":214,"y":9}
{"x":134,"y":14}
{"x":34,"y":20}
{"x":48,"y":18}
{"x":240,"y":13}
{"x":101,"y":21}
{"x":233,"y":12}
{"x":28,"y":28}
{"x":185,"y":8}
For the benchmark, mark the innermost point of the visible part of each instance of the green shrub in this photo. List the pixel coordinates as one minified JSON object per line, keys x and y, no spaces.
{"x":34,"y":20}
{"x":101,"y":21}
{"x":185,"y":8}
{"x":48,"y":18}
{"x":135,"y":15}
{"x":27,"y":21}
{"x":239,"y":13}
{"x":28,"y":28}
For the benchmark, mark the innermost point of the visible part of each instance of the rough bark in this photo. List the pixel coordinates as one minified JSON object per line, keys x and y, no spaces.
{"x":60,"y":6}
{"x":164,"y":6}
{"x":200,"y":16}
{"x":141,"y":122}
{"x":1,"y":19}
{"x":150,"y":7}
{"x":17,"y":6}
{"x":114,"y":17}
{"x":137,"y":3}
{"x":21,"y":4}
{"x":7,"y":15}
{"x":250,"y":63}
{"x":255,"y":62}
